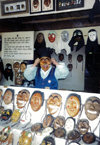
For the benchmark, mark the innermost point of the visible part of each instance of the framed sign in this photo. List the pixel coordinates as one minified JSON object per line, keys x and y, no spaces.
{"x":69,"y":4}
{"x":48,"y":5}
{"x":13,"y":7}
{"x":35,"y":6}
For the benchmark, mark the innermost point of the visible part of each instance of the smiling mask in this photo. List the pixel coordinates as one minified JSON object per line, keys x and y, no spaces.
{"x":22,"y":98}
{"x":92,"y":108}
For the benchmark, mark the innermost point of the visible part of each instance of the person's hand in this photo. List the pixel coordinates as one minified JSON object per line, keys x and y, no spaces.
{"x":37,"y":61}
{"x":54,"y":61}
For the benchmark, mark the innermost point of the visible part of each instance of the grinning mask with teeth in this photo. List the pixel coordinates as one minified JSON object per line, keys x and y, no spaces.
{"x":92,"y":108}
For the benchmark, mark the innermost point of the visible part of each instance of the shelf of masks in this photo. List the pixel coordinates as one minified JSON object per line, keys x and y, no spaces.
{"x":35,"y":116}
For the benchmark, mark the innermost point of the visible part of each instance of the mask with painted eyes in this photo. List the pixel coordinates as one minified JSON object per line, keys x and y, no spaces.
{"x":59,"y":122}
{"x":15,"y":116}
{"x":73,"y":104}
{"x":52,"y":37}
{"x":4,"y":134}
{"x":60,"y":132}
{"x":35,"y":3}
{"x":45,"y":63}
{"x":92,"y":108}
{"x":70,"y":67}
{"x":92,"y":35}
{"x":48,"y":120}
{"x":6,"y":114}
{"x":8,"y":96}
{"x":89,"y":138}
{"x":47,"y":3}
{"x":25,"y":138}
{"x":48,"y":141}
{"x":37,"y":100}
{"x":54,"y":103}
{"x":16,"y":66}
{"x":83,"y":126}
{"x":22,"y":98}
{"x":36,"y":127}
{"x":65,"y":36}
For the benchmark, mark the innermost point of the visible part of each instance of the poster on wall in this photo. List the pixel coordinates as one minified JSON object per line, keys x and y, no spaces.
{"x":18,"y":45}
{"x":69,"y":4}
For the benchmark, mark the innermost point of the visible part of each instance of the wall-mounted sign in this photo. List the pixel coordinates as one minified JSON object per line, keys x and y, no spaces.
{"x":69,"y":4}
{"x":12,"y":7}
{"x":18,"y":45}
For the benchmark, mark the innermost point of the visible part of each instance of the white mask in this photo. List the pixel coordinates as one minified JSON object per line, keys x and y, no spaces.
{"x":92,"y":35}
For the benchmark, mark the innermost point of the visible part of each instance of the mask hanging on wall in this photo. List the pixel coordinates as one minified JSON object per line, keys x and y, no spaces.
{"x":40,"y":41}
{"x":52,"y":36}
{"x":92,"y":42}
{"x":79,"y":60}
{"x":77,"y":37}
{"x":70,"y":58}
{"x":8,"y":72}
{"x":61,"y":56}
{"x":64,"y":36}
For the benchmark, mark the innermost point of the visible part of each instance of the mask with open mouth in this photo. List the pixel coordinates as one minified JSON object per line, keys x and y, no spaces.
{"x":83,"y":126}
{"x":22,"y":98}
{"x":54,"y":103}
{"x":92,"y":108}
{"x":45,"y":63}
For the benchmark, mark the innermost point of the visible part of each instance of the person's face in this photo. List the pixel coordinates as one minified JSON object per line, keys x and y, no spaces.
{"x":22,"y":98}
{"x":36,"y":101}
{"x":45,"y":63}
{"x":7,"y":97}
{"x":92,"y":36}
{"x":92,"y":108}
{"x":1,"y":93}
